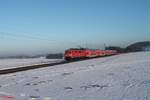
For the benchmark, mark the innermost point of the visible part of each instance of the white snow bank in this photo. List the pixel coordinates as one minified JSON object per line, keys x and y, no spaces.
{"x":120,"y":77}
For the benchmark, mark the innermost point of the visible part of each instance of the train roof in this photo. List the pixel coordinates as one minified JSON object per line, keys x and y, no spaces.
{"x":83,"y":49}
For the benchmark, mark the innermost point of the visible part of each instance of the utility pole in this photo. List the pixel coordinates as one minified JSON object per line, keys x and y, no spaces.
{"x":104,"y":46}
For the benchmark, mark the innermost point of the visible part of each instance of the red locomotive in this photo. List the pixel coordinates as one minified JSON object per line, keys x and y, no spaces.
{"x":80,"y":53}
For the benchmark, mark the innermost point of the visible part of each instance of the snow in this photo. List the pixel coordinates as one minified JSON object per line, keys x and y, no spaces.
{"x":13,"y":63}
{"x":119,"y":77}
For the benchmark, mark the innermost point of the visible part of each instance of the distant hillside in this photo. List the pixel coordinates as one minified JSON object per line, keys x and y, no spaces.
{"x":21,"y":57}
{"x":139,"y":46}
{"x":117,"y":48}
{"x":55,"y":56}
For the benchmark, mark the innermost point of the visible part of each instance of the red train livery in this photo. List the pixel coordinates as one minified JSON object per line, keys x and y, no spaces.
{"x":79,"y":53}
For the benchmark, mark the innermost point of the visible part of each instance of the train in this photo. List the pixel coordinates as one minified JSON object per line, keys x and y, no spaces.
{"x":83,"y":53}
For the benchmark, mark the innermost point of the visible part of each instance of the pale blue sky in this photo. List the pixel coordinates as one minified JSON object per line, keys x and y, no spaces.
{"x":41,"y":26}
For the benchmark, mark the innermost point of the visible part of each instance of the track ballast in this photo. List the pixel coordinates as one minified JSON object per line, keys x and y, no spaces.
{"x":24,"y":68}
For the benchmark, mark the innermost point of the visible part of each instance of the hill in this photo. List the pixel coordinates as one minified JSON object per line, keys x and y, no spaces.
{"x":139,"y":46}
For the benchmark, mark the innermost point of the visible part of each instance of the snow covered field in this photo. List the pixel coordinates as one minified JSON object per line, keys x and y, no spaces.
{"x":11,"y":63}
{"x":120,"y":77}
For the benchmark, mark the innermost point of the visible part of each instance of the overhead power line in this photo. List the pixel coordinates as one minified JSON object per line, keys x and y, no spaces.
{"x":4,"y":34}
{"x":31,"y":37}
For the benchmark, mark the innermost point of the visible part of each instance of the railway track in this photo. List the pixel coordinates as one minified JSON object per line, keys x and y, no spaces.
{"x":24,"y":68}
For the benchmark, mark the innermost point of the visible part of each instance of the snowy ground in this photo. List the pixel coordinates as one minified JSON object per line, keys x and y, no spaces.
{"x":120,"y":77}
{"x":11,"y":63}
